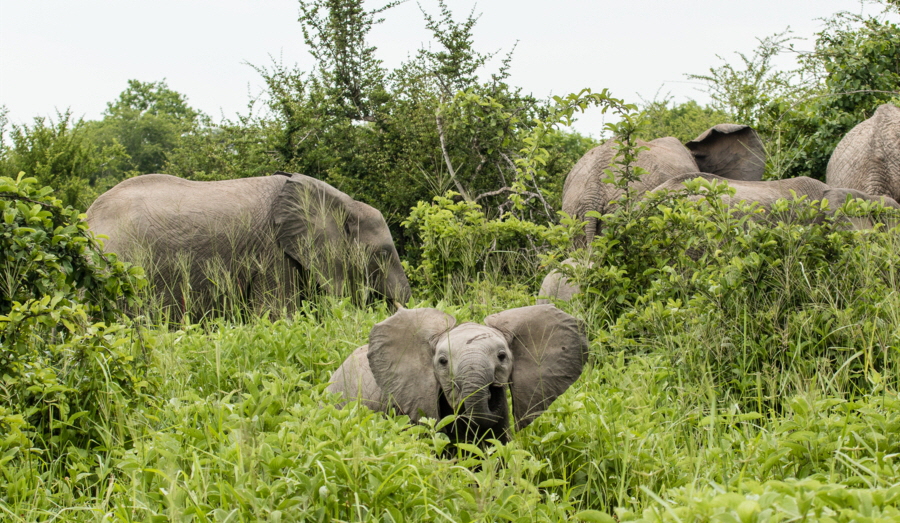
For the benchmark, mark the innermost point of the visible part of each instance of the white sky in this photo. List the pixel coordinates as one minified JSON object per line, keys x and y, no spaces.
{"x":58,"y":54}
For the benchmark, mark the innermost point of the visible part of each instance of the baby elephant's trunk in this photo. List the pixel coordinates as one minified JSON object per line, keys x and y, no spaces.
{"x":477,"y":399}
{"x":476,"y":406}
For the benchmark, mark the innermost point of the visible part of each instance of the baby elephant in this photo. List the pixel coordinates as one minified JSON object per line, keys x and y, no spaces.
{"x":421,"y":364}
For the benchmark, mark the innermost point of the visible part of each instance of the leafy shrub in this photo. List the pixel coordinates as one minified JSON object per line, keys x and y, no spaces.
{"x":65,"y":363}
{"x":792,"y":287}
{"x":461,"y":246}
{"x":62,"y":154}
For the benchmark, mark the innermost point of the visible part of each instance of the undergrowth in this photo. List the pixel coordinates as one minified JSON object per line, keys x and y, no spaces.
{"x":740,"y":370}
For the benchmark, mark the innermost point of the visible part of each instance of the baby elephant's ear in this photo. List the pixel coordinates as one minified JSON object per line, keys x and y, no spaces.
{"x":549,"y":350}
{"x":401,"y":352}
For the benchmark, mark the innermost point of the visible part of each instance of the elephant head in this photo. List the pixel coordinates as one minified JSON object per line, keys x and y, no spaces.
{"x":868,"y":157}
{"x":344,"y":243}
{"x":422,"y":364}
{"x":731,"y":151}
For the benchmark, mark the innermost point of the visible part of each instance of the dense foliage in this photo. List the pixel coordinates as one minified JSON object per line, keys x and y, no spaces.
{"x":70,"y":359}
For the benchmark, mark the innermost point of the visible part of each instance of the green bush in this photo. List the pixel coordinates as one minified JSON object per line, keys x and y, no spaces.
{"x":70,"y":360}
{"x":766,"y":291}
{"x":461,"y":247}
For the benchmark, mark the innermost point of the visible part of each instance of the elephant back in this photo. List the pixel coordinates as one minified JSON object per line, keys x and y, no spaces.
{"x":765,"y":193}
{"x":867,"y":159}
{"x":584,"y":189}
{"x":170,"y":213}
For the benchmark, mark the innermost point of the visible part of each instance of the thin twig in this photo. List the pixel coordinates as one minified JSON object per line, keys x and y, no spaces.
{"x":536,"y":188}
{"x":459,"y":187}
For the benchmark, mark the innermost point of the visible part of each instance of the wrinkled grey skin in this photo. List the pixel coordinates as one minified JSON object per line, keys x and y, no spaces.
{"x":730,"y":150}
{"x":556,"y":286}
{"x":868,"y":157}
{"x":204,"y":242}
{"x":584,"y":189}
{"x":765,"y":193}
{"x":420,"y":364}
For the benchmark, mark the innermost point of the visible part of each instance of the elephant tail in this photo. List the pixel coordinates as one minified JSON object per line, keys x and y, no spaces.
{"x":590,"y":230}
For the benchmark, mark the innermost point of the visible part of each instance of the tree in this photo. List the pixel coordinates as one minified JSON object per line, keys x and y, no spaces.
{"x":394,"y":138}
{"x":62,"y":154}
{"x":803,"y":113}
{"x":229,"y":149}
{"x":683,"y":121}
{"x":856,"y":63}
{"x":350,"y":75}
{"x":149,"y":120}
{"x":747,"y":92}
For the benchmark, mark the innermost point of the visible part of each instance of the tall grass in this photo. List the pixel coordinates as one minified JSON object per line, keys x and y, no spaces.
{"x":769,"y":396}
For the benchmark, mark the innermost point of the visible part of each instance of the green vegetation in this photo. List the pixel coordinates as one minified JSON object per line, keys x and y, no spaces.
{"x":744,"y":366}
{"x":803,"y":113}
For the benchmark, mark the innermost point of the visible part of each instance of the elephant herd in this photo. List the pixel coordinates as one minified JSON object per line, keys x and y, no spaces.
{"x":865,"y":165}
{"x":207,"y":242}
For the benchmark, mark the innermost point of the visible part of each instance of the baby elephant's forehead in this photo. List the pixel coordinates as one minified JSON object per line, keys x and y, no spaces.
{"x":471,"y":334}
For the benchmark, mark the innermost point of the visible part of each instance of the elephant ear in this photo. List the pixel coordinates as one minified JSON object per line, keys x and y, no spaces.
{"x":401,"y":356}
{"x":549,"y":350}
{"x":310,"y":218}
{"x":731,"y":151}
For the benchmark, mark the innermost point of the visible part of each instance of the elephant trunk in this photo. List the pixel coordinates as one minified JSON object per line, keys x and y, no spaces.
{"x":392,"y":283}
{"x":477,"y":398}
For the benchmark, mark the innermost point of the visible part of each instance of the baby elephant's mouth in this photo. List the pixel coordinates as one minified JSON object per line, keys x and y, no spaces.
{"x":497,"y":400}
{"x":496,"y":403}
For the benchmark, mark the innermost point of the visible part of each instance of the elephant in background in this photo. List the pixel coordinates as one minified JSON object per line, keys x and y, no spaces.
{"x":557,"y":287}
{"x":735,"y":150}
{"x":420,"y":363}
{"x":867,"y":159}
{"x":584,"y":189}
{"x":731,"y":151}
{"x":262,"y":240}
{"x":765,"y":193}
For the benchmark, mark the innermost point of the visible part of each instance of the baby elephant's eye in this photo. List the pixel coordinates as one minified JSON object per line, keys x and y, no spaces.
{"x":442,"y":360}
{"x":501,"y":356}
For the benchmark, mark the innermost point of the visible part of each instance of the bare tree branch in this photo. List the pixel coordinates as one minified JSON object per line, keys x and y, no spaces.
{"x":537,"y":189}
{"x":459,"y":187}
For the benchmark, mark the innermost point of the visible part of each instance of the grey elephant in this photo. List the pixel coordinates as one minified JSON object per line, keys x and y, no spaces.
{"x":867,"y":159}
{"x":730,"y":150}
{"x":556,"y":286}
{"x":264,"y":240}
{"x":766,"y":193}
{"x":420,"y":363}
{"x":726,"y":149}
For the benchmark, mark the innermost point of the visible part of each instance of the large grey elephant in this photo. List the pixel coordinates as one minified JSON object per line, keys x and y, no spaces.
{"x":868,"y":157}
{"x":728,"y":150}
{"x":420,"y":363}
{"x":263,"y":241}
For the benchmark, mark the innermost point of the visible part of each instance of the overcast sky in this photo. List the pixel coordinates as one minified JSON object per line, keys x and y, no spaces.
{"x":58,"y":54}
